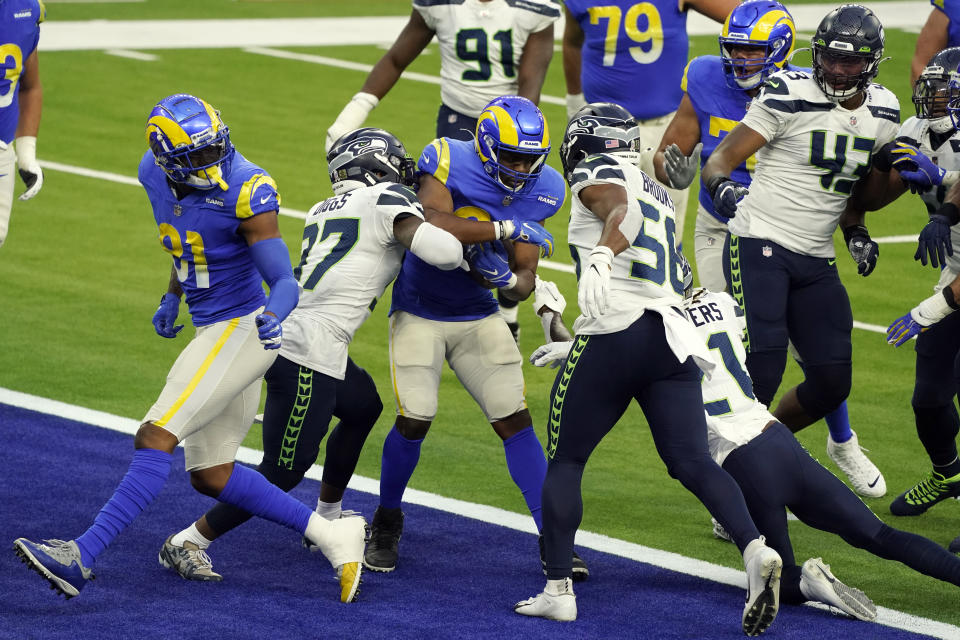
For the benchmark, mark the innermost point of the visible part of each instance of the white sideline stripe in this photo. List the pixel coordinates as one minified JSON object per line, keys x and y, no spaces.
{"x":492,"y":515}
{"x":133,"y":55}
{"x":357,"y":66}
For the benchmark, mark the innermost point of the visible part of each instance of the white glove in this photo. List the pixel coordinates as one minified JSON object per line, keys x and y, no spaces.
{"x":575,"y":102}
{"x":352,"y":116}
{"x":552,"y":353}
{"x":546,"y":294}
{"x":681,"y":169}
{"x":595,"y":282}
{"x":27,"y":166}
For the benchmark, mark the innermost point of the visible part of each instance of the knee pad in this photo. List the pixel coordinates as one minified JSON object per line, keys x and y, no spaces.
{"x":279,"y":475}
{"x":826,"y":386}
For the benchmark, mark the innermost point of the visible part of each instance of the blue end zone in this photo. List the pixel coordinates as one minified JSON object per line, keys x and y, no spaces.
{"x":457,"y":577}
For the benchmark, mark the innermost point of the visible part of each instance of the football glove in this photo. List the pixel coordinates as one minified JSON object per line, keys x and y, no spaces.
{"x":269,"y":330}
{"x":726,"y":194}
{"x":529,"y":232}
{"x":552,"y":353}
{"x":166,"y":315}
{"x":595,"y":282}
{"x":547,"y":297}
{"x":863,"y":250}
{"x":934,"y":243}
{"x":681,"y":169}
{"x":902,"y":329}
{"x":27,"y":166}
{"x":490,"y":260}
{"x":916,"y":170}
{"x":352,"y":116}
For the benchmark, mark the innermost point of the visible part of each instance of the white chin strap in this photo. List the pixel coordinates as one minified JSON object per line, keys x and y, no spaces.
{"x":749,"y":82}
{"x":941,"y":124}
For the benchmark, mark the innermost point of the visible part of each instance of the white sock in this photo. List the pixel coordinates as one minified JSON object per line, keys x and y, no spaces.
{"x":510,"y":314}
{"x":559,"y":587}
{"x":329,"y":510}
{"x":192,"y":534}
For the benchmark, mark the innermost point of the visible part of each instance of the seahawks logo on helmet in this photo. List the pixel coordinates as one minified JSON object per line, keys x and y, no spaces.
{"x":599,"y":127}
{"x":368,"y":156}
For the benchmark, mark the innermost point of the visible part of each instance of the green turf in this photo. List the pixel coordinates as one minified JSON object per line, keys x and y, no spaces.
{"x":82,"y":274}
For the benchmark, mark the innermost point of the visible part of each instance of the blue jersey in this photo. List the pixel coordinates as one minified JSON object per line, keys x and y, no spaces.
{"x":19,"y":34}
{"x":428,"y":292}
{"x":952,"y":9}
{"x":213,"y":262}
{"x":719,"y":109}
{"x":633,"y":53}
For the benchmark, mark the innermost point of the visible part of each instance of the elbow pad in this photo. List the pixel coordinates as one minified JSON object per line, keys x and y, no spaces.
{"x":273,"y":263}
{"x":436,"y":246}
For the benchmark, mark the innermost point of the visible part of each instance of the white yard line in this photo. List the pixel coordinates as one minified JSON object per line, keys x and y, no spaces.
{"x":491,"y":515}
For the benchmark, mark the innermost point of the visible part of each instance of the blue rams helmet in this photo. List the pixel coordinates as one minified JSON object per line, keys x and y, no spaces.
{"x":190,"y":142}
{"x":847,"y":51}
{"x":511,"y":129}
{"x":933,"y":91}
{"x":366,"y":156}
{"x":599,"y":127}
{"x":763,"y":24}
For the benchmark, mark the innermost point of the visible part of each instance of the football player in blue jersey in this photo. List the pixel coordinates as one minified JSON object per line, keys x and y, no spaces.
{"x":21,"y":101}
{"x":757,"y":40}
{"x":217,"y":217}
{"x":633,"y":54}
{"x":501,"y":177}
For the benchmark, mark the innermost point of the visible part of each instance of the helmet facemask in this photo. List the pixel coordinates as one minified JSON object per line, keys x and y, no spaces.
{"x":757,"y":41}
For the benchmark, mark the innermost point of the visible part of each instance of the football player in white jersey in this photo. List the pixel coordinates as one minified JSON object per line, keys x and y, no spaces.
{"x":353,"y":244}
{"x":934,"y":133}
{"x":631,"y":282}
{"x":815,"y":135}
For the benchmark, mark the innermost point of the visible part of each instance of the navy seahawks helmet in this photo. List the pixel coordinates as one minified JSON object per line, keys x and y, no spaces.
{"x":366,"y":156}
{"x":599,"y":127}
{"x":847,"y":51}
{"x":932,"y":91}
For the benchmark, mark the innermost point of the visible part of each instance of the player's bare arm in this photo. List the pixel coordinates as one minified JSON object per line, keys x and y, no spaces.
{"x":740,"y":144}
{"x":609,"y":203}
{"x":438,"y":210}
{"x":526,"y":258}
{"x":683,"y":131}
{"x":31,"y":98}
{"x":572,"y":45}
{"x":260,"y":227}
{"x":932,"y":38}
{"x":537,"y":52}
{"x":717,"y":10}
{"x":414,"y":38}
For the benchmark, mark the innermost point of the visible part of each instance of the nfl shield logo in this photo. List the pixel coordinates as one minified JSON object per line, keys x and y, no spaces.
{"x":177,"y":210}
{"x":853,"y":120}
{"x":767,"y":252}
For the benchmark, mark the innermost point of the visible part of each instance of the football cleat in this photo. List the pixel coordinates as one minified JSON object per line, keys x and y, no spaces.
{"x":763,"y":566}
{"x":350,"y":576}
{"x":190,"y":561}
{"x":719,"y":532}
{"x":385,"y":532}
{"x":863,"y":475}
{"x":561,"y":606}
{"x":818,"y":584}
{"x":58,"y":561}
{"x":929,"y":491}
{"x":580,"y":569}
{"x":312,"y":548}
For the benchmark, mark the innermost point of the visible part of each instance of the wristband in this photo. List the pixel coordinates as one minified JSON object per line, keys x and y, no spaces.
{"x":715,"y":182}
{"x":852,"y":230}
{"x":949,"y":297}
{"x":933,"y":309}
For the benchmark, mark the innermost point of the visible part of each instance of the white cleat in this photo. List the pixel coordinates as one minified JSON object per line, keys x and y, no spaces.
{"x":863,"y":475}
{"x":818,"y":584}
{"x":719,"y":532}
{"x":560,"y":606}
{"x":763,"y":566}
{"x":342,"y":542}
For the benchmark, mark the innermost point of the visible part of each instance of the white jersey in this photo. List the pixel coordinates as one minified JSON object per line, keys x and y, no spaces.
{"x":947,"y":156}
{"x":481,"y":44}
{"x":349,"y":257}
{"x":649,"y":272}
{"x":734,"y":415}
{"x":815,"y":152}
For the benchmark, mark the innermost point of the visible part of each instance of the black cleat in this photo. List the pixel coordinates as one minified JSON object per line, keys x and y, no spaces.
{"x":385,"y":531}
{"x":580,"y":569}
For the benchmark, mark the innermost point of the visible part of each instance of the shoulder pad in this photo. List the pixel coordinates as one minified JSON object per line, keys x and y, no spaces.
{"x":435,"y":160}
{"x":398,"y":195}
{"x":598,"y":168}
{"x":258,"y":194}
{"x":548,"y":9}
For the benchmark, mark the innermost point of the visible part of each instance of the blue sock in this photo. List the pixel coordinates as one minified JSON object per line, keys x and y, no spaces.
{"x":838,"y":422}
{"x":400,"y":458}
{"x":528,"y":468}
{"x":144,"y":479}
{"x":250,"y":491}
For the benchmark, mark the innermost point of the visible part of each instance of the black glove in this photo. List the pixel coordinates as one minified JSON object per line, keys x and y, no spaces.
{"x":934,"y":242}
{"x":863,"y":250}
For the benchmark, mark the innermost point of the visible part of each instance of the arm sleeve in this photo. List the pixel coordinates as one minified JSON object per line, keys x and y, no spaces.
{"x":436,"y":246}
{"x":273,"y":262}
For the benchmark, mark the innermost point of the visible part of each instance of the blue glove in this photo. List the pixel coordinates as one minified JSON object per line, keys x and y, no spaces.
{"x":166,"y":315}
{"x":862,"y":248}
{"x":902,"y":329}
{"x":726,"y":195}
{"x":916,"y":169}
{"x":268,"y":328}
{"x":934,"y":241}
{"x":531,"y":233}
{"x":490,"y":261}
